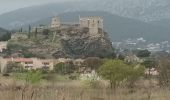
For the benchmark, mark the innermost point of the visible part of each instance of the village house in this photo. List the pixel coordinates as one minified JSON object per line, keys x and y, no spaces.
{"x":152,"y":71}
{"x":55,"y":23}
{"x":3,"y":46}
{"x":35,"y":63}
{"x":28,"y":63}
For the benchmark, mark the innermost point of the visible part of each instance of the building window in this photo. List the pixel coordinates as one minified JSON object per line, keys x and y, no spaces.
{"x":28,"y":62}
{"x":28,"y":66}
{"x":46,"y":63}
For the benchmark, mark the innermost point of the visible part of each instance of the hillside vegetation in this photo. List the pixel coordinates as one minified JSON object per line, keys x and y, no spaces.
{"x":70,"y":42}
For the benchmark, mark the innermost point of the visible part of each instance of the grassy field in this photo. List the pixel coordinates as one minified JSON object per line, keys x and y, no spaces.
{"x":51,"y":93}
{"x":11,"y":89}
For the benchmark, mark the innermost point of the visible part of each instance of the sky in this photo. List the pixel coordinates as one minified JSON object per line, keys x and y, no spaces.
{"x":9,"y":5}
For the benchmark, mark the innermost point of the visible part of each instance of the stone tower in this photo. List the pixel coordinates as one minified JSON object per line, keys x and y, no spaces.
{"x":93,"y":23}
{"x":55,"y":23}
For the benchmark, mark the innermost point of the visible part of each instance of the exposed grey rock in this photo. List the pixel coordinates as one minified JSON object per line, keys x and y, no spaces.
{"x":79,"y":44}
{"x":70,"y":42}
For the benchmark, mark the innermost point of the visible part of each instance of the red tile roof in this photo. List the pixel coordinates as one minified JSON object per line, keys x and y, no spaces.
{"x":19,"y":59}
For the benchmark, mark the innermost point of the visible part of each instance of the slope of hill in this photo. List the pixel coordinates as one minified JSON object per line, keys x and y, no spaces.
{"x":2,"y":30}
{"x":163,"y":23}
{"x":71,"y":42}
{"x":4,"y":34}
{"x":145,"y":10}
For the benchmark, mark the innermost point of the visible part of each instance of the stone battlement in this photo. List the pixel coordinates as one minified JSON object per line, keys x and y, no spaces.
{"x":93,"y":23}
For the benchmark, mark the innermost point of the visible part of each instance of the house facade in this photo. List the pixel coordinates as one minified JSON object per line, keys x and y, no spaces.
{"x":3,"y":46}
{"x":28,"y":63}
{"x":35,"y":63}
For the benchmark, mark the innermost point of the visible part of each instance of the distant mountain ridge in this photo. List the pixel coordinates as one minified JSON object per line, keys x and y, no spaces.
{"x":124,"y":18}
{"x":2,"y":30}
{"x":119,"y":28}
{"x":144,"y":10}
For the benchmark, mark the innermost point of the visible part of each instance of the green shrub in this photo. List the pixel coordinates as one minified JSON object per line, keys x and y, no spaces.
{"x":13,"y":67}
{"x":91,"y":84}
{"x":32,"y":77}
{"x":64,"y":68}
{"x":117,"y":71}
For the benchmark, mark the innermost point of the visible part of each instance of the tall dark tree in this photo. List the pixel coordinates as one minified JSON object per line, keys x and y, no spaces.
{"x":29,"y":32}
{"x":21,"y":29}
{"x":36,"y":32}
{"x":5,"y":37}
{"x":143,"y":53}
{"x":93,"y":62}
{"x":46,"y":32}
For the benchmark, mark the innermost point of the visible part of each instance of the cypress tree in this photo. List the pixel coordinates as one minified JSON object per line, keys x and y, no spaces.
{"x":29,"y":32}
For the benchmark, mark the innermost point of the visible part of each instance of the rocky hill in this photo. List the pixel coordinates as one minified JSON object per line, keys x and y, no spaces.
{"x":70,"y":42}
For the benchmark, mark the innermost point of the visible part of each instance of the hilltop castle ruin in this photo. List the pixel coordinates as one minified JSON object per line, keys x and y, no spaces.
{"x":55,"y":22}
{"x":92,"y":25}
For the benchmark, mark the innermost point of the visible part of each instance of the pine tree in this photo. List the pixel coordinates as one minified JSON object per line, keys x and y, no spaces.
{"x":21,"y":30}
{"x":36,"y":31}
{"x":29,"y":32}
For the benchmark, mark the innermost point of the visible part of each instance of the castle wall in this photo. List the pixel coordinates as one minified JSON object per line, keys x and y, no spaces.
{"x":18,"y":36}
{"x":93,"y":23}
{"x":55,"y":23}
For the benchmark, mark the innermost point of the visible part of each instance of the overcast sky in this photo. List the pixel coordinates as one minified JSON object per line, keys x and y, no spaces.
{"x":9,"y":5}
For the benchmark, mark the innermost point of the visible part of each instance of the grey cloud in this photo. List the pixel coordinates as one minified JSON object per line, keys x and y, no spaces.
{"x":9,"y":5}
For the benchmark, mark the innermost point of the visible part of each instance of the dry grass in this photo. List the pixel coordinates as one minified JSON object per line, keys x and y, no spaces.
{"x":14,"y":90}
{"x":79,"y":94}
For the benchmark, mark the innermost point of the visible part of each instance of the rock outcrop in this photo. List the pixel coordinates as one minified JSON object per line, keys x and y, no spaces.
{"x":71,"y":42}
{"x":77,"y":43}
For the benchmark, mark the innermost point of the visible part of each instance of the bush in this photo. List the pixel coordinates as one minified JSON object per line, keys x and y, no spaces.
{"x":93,"y":62}
{"x":5,"y":37}
{"x":49,"y":77}
{"x":6,"y":75}
{"x":32,"y":77}
{"x":135,"y":72}
{"x":74,"y":76}
{"x":13,"y":67}
{"x":116,"y":71}
{"x":27,"y":54}
{"x":12,"y":46}
{"x":143,"y":53}
{"x":64,"y":68}
{"x":164,"y":75}
{"x":91,"y":84}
